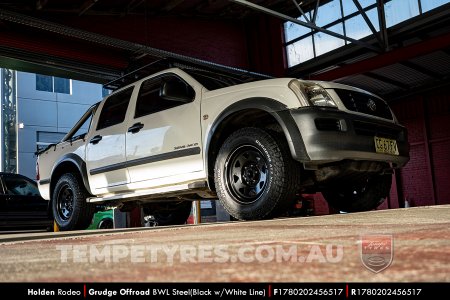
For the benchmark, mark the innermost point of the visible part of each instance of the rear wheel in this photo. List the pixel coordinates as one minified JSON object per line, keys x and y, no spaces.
{"x":70,"y":209}
{"x":255,"y":176}
{"x":362,"y":196}
{"x":173,"y":213}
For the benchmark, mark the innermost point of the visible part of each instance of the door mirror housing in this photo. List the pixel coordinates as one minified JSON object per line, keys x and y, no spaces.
{"x":177,"y":90}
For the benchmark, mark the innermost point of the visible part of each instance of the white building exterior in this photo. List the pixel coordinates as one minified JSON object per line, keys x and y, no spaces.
{"x":46,"y":108}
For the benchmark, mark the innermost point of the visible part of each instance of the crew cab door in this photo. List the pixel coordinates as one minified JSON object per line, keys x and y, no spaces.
{"x":105,"y":149}
{"x":163,"y":139}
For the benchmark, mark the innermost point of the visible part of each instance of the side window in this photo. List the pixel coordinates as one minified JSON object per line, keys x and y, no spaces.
{"x":115,"y":109}
{"x":84,"y":128}
{"x":20,"y":186}
{"x":149,"y":100}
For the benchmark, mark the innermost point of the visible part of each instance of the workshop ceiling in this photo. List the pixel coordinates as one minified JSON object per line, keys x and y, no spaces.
{"x":214,"y":9}
{"x":99,"y":40}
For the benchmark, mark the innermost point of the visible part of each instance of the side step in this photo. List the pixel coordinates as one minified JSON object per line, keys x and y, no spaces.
{"x":173,"y":190}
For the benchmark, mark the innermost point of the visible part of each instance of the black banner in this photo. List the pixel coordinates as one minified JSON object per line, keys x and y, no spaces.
{"x":224,"y":290}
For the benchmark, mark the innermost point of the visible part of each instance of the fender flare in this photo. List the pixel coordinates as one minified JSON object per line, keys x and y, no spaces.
{"x":79,"y":163}
{"x":277,"y":110}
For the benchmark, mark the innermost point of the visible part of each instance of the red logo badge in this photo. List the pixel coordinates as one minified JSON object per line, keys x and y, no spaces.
{"x":377,"y":252}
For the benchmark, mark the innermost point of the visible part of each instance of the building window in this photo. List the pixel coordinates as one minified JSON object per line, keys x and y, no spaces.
{"x":44,"y":83}
{"x":62,"y":85}
{"x":342,"y":17}
{"x":432,"y":4}
{"x":397,"y":11}
{"x":53,"y":84}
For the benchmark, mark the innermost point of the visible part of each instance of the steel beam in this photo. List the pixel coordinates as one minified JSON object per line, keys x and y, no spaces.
{"x":133,"y":5}
{"x":305,"y":24}
{"x":315,"y":11}
{"x":86,"y":6}
{"x":302,"y":12}
{"x":40,"y":4}
{"x":8,"y":121}
{"x":133,"y":48}
{"x":421,"y":69}
{"x":387,"y":80}
{"x":171,"y":5}
{"x":388,"y":58}
{"x":369,"y":23}
{"x":382,"y":24}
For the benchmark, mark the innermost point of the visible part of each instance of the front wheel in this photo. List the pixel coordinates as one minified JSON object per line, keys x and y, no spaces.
{"x":255,"y":176}
{"x":362,"y":196}
{"x":70,"y":209}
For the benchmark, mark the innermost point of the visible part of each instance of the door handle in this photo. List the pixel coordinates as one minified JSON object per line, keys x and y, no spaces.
{"x":96,"y":139}
{"x":136,"y":127}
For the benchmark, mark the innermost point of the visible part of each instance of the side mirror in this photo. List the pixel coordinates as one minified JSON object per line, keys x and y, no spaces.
{"x":177,"y":90}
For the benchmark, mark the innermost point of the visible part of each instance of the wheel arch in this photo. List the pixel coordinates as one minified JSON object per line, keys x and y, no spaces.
{"x":257,"y":112}
{"x":69,"y":163}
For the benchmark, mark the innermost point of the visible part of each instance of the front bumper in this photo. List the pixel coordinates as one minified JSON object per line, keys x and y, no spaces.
{"x":331,"y":135}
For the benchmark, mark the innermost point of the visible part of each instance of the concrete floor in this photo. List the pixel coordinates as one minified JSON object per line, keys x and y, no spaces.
{"x":238,"y":252}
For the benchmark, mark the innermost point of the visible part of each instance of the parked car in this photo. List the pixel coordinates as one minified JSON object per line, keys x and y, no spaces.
{"x":21,"y":205}
{"x":102,"y":220}
{"x":188,"y":134}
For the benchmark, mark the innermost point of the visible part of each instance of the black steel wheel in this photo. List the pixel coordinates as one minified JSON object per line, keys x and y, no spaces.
{"x":255,"y":175}
{"x":247,"y":173}
{"x":70,"y":209}
{"x":64,"y":202}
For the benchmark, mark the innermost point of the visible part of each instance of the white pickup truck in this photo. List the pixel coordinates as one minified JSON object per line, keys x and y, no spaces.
{"x":182,"y":135}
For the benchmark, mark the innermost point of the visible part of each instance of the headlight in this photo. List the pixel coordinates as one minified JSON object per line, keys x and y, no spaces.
{"x":312,"y":92}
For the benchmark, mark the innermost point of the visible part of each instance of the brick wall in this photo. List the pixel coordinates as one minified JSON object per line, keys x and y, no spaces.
{"x":255,"y":44}
{"x":219,"y":41}
{"x":425,"y":180}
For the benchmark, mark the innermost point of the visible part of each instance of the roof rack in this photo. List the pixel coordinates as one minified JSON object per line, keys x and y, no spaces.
{"x":194,"y":64}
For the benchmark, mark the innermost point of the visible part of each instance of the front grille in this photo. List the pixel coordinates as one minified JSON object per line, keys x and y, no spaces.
{"x":364,"y":103}
{"x":370,"y":129}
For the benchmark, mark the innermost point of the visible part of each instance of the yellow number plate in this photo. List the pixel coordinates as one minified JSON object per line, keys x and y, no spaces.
{"x":387,"y":146}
